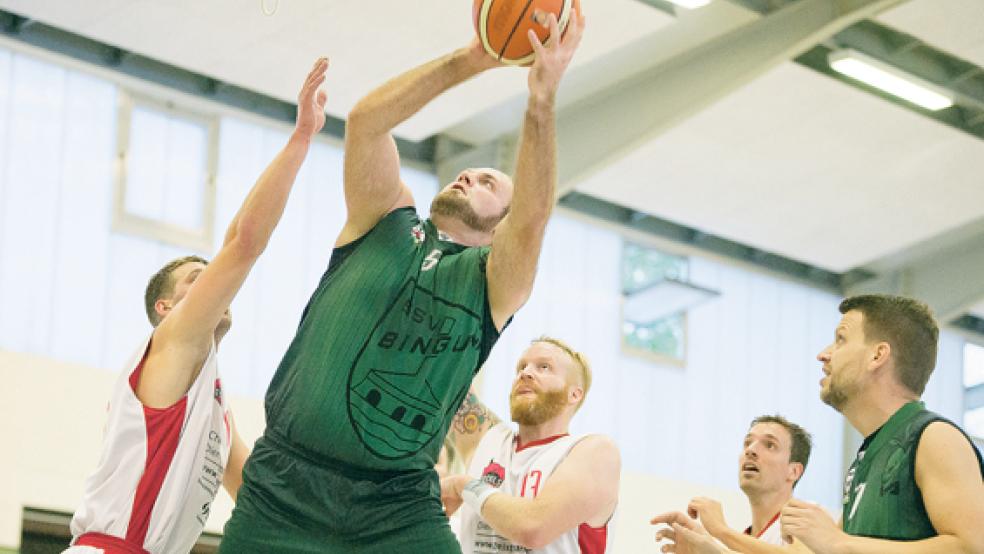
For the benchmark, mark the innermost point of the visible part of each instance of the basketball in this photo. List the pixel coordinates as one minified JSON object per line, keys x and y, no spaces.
{"x":502,"y":25}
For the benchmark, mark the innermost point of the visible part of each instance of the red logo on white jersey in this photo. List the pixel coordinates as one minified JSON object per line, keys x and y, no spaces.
{"x":494,"y":474}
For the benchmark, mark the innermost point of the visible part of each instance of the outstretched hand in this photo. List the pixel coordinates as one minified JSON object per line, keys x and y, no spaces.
{"x":684,"y":535}
{"x":311,"y":101}
{"x":810,"y":524}
{"x":553,"y":57}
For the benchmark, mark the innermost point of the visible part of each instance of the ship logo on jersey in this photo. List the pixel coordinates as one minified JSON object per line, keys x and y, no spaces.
{"x":396,"y":404}
{"x":494,"y":474}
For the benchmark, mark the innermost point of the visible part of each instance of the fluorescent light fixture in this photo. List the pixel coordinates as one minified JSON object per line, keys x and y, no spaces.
{"x":691,"y":4}
{"x":890,"y":79}
{"x":663,"y":298}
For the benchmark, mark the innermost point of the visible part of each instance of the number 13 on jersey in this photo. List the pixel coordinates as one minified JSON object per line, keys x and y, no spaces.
{"x":532,"y":480}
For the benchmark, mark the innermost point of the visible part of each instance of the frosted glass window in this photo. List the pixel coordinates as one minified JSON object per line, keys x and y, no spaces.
{"x":166,"y":190}
{"x":974,"y":422}
{"x":973,"y":365}
{"x":664,"y":338}
{"x":166,"y":168}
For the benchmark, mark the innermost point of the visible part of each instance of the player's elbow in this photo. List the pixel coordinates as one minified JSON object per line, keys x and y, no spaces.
{"x":361,"y":120}
{"x":534,"y":540}
{"x":533,"y":535}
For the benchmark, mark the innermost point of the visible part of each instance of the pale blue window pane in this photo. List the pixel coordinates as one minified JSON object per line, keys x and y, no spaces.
{"x":166,"y":168}
{"x":974,"y":422}
{"x":973,"y":365}
{"x":641,"y":267}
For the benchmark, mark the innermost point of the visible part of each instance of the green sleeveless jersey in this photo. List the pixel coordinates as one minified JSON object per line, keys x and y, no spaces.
{"x":386,"y":349}
{"x":881,"y":498}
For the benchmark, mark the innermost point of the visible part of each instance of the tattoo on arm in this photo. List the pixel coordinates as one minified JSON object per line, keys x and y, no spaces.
{"x":473,"y":416}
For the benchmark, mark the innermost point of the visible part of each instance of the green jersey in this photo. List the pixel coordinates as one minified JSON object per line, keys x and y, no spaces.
{"x":386,"y":349}
{"x":881,"y":497}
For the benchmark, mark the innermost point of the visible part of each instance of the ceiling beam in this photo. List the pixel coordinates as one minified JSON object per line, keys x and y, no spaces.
{"x":670,"y":92}
{"x":98,"y":54}
{"x":947,"y":279}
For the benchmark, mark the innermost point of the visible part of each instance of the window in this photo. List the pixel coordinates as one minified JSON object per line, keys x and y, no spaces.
{"x":973,"y":378}
{"x":165,"y":186}
{"x":663,"y":337}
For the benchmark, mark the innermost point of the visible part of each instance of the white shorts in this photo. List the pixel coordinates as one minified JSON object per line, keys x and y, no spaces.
{"x":83,"y":550}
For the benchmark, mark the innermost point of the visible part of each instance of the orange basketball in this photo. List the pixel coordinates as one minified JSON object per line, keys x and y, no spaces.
{"x":502,"y":25}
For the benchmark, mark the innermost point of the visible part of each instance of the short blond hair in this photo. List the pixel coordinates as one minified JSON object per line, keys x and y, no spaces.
{"x":579,"y":359}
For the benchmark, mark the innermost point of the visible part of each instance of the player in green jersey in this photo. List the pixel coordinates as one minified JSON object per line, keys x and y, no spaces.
{"x":405,"y":314}
{"x":917,"y":484}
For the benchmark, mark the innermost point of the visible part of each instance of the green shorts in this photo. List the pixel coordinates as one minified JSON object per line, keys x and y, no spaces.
{"x":291,"y":503}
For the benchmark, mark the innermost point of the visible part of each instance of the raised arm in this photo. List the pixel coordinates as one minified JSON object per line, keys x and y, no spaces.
{"x":472,"y":420}
{"x":953,"y":492}
{"x":372,"y":164}
{"x":519,"y":237}
{"x":183,"y":338}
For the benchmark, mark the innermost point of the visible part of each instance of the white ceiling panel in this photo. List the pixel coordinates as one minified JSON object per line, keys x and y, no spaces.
{"x":368,"y":41}
{"x":956,"y":26}
{"x":801,"y":165}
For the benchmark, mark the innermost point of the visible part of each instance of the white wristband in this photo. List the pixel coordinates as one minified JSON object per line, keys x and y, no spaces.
{"x":476,"y":492}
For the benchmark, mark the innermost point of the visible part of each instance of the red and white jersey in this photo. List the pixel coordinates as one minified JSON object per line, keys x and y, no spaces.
{"x":160,"y":468}
{"x":771,"y":533}
{"x":523,"y":471}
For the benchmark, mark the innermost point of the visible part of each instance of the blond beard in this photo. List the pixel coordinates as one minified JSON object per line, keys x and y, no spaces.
{"x":449,"y":205}
{"x":546,"y":406}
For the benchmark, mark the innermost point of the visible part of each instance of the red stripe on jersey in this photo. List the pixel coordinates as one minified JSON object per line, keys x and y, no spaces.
{"x":109,"y":544}
{"x":163,"y":426}
{"x":748,"y":531}
{"x":541,"y":442}
{"x":592,"y":540}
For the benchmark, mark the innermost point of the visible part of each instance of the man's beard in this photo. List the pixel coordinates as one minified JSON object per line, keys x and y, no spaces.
{"x":546,"y":406}
{"x":448,"y":204}
{"x":835,"y":395}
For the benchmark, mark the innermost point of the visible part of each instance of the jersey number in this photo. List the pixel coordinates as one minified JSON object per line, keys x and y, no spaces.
{"x":533,"y":479}
{"x":431,"y":260}
{"x":859,"y":492}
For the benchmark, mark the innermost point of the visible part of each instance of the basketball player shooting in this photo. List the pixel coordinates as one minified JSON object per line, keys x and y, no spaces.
{"x":405,"y":314}
{"x":170,"y":440}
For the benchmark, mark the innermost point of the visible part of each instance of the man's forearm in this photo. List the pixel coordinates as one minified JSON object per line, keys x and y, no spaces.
{"x":864,"y":545}
{"x":515,"y":519}
{"x":740,"y":542}
{"x":399,"y":98}
{"x":264,"y":206}
{"x":536,"y":165}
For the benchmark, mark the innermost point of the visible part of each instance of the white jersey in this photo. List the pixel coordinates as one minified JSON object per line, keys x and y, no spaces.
{"x":523,"y":472}
{"x":772,"y":534}
{"x":160,"y":468}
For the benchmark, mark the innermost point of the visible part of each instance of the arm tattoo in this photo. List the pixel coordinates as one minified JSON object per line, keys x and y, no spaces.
{"x":473,"y":416}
